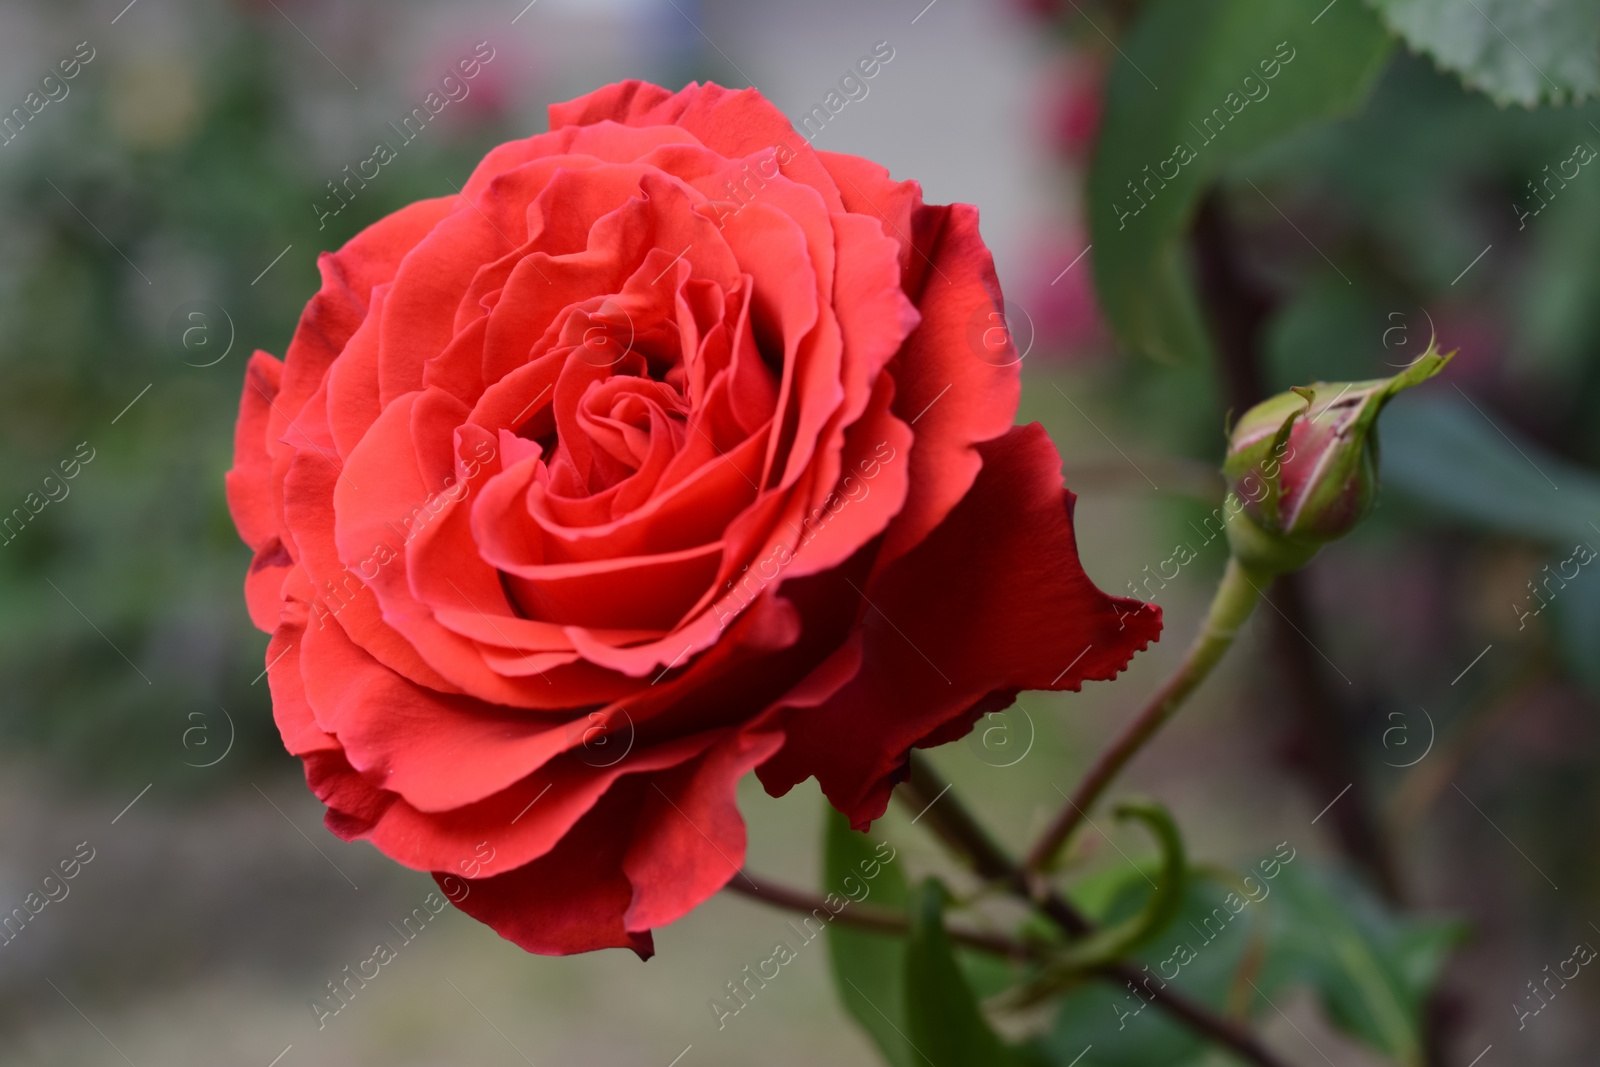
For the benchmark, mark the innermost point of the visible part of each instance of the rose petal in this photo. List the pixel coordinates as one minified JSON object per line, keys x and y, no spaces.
{"x":689,"y":838}
{"x":574,"y":898}
{"x":1030,"y":619}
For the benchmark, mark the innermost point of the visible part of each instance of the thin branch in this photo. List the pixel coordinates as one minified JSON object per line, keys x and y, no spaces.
{"x":1235,"y":599}
{"x":874,"y":917}
{"x":947,"y":817}
{"x":957,"y":827}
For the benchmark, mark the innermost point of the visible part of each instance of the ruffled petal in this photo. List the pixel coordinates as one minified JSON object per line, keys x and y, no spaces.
{"x":1029,"y":618}
{"x":573,"y":898}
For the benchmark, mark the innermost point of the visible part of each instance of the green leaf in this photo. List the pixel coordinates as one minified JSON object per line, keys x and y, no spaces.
{"x":868,"y":968}
{"x":1557,"y":302}
{"x":1086,"y":1026}
{"x":1517,"y":51}
{"x":1325,"y":329}
{"x":1112,"y":1026}
{"x":944,"y":1024}
{"x":1179,"y":110}
{"x":1371,"y":970}
{"x":1473,"y":465}
{"x":1236,"y":942}
{"x":1099,"y":893}
{"x":1116,"y":940}
{"x":1576,"y":620}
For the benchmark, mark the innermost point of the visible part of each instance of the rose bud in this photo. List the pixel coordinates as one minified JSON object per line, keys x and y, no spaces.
{"x":1302,"y":466}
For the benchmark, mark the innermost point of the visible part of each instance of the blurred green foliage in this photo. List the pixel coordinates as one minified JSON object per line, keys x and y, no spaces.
{"x":1517,"y":52}
{"x":120,"y":606}
{"x":121,"y":222}
{"x":1241,"y":944}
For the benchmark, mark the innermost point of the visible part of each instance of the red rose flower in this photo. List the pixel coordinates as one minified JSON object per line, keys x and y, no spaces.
{"x":658,"y":455}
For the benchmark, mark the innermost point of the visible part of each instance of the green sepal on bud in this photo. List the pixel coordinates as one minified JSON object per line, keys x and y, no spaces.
{"x":1304,"y":466}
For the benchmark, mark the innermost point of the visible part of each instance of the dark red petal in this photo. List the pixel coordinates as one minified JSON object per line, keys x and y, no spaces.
{"x":690,"y":838}
{"x":953,"y":393}
{"x":994,"y":599}
{"x":573,"y":898}
{"x":527,"y":820}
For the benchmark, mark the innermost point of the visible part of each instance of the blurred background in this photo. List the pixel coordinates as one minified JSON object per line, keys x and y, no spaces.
{"x":1405,"y":710}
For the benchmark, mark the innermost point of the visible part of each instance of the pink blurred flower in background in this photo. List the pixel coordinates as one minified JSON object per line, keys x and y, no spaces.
{"x":1059,"y":295}
{"x":1075,"y":98}
{"x":491,"y":91}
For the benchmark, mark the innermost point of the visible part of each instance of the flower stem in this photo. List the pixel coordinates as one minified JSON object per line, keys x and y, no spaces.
{"x":950,"y":820}
{"x":1235,"y":599}
{"x":873,"y":917}
{"x":931,"y":796}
